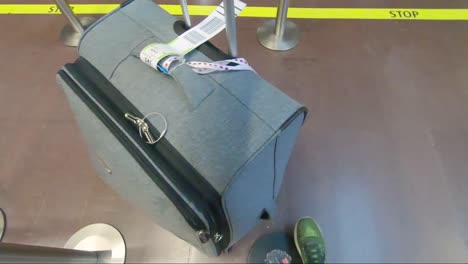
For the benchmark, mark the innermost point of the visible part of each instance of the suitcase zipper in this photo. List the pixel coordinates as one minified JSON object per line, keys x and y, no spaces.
{"x":112,"y":114}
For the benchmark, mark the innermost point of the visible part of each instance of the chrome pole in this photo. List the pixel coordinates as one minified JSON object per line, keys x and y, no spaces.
{"x":68,"y":13}
{"x":72,"y":32}
{"x":185,"y":12}
{"x":279,"y":34}
{"x":231,"y":30}
{"x":2,"y":223}
{"x":16,"y":253}
{"x":281,"y":15}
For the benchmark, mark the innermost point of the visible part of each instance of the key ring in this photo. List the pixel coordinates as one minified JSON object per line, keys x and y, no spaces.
{"x":151,"y":141}
{"x":144,"y":129}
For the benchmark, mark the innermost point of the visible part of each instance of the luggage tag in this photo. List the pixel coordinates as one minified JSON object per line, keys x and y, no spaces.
{"x":154,"y":53}
{"x":167,"y":57}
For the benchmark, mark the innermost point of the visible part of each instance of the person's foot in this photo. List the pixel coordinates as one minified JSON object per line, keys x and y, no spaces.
{"x":309,"y":241}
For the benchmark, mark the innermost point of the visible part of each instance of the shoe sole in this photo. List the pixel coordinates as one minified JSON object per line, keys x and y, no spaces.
{"x":295,"y":236}
{"x":295,"y":239}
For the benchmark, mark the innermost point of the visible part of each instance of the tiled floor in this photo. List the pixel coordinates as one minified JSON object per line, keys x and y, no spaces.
{"x":381,"y":162}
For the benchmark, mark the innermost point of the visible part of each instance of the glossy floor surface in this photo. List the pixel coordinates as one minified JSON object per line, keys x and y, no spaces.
{"x":381,"y":162}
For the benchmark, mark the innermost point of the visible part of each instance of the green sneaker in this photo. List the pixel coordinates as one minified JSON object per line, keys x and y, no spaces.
{"x":309,"y":241}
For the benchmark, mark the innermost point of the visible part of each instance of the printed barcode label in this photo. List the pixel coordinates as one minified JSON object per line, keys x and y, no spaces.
{"x":194,"y":37}
{"x":211,"y":26}
{"x":205,"y":30}
{"x":220,"y":10}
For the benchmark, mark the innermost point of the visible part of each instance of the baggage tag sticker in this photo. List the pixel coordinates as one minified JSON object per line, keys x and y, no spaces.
{"x":154,"y":53}
{"x":205,"y":30}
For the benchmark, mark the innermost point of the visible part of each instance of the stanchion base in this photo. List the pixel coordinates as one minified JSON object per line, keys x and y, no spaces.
{"x":266,"y":36}
{"x":99,"y":237}
{"x":2,"y":223}
{"x":72,"y":38}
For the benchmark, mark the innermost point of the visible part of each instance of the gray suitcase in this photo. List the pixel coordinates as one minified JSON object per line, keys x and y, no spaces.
{"x":220,"y":165}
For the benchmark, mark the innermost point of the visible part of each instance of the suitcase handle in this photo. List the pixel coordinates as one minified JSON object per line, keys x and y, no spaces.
{"x":229,"y":14}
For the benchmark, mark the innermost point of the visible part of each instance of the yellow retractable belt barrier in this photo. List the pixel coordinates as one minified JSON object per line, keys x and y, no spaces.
{"x":256,"y":11}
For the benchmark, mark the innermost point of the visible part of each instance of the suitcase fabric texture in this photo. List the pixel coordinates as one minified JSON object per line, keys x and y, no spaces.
{"x":230,"y":134}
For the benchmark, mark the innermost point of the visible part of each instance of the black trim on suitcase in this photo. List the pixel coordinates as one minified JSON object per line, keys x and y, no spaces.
{"x":302,"y":110}
{"x":169,"y":161}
